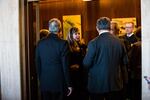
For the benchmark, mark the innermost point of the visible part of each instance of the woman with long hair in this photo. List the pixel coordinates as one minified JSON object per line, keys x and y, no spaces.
{"x":78,"y":50}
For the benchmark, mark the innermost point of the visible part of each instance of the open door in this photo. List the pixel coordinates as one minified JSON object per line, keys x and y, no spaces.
{"x":32,"y":37}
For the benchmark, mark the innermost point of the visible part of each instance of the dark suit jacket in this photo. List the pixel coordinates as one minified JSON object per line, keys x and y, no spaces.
{"x":131,"y":39}
{"x":135,"y":60}
{"x":52,"y":63}
{"x":128,"y":41}
{"x":105,"y":60}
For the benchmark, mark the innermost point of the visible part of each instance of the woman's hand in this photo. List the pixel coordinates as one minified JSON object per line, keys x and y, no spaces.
{"x":75,"y":66}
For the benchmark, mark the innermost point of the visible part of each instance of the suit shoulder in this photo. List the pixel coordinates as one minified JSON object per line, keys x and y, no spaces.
{"x":63,"y":41}
{"x":41,"y":41}
{"x":94,"y":40}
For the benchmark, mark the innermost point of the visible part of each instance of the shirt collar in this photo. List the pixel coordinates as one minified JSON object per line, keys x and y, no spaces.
{"x":103,"y":31}
{"x":129,"y":35}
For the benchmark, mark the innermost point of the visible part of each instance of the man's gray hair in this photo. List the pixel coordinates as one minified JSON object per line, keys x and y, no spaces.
{"x":54,"y":25}
{"x":103,"y":23}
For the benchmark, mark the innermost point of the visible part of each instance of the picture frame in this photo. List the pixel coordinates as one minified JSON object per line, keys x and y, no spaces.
{"x":71,"y":21}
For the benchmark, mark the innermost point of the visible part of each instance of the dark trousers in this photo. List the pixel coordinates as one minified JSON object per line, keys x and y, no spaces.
{"x":136,"y":89}
{"x":117,"y":95}
{"x":78,"y":95}
{"x":51,"y":96}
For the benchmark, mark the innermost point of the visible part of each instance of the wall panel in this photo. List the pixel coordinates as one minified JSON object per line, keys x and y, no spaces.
{"x":90,"y":12}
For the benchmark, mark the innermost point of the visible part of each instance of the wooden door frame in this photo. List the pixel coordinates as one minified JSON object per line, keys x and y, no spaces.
{"x":26,"y":49}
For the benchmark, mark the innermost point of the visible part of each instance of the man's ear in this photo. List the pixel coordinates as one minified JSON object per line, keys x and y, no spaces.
{"x":97,"y":29}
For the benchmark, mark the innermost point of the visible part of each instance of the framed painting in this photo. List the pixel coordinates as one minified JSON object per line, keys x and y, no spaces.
{"x":71,"y":21}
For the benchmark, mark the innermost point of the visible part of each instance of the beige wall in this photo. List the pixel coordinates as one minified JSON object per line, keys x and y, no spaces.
{"x":9,"y":50}
{"x":145,"y":11}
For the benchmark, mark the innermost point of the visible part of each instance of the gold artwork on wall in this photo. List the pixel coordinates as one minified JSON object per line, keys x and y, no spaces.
{"x":122,"y":21}
{"x":71,"y":21}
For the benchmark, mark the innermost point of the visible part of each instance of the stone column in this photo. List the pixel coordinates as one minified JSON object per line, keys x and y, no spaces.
{"x":145,"y":18}
{"x":10,"y":80}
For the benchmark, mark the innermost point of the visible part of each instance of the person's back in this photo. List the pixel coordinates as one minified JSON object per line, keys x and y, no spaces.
{"x":51,"y":50}
{"x":52,"y":64}
{"x":108,"y":55}
{"x":105,"y":59}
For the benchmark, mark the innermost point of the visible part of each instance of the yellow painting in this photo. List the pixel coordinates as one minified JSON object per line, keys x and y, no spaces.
{"x":71,"y":21}
{"x":122,"y":21}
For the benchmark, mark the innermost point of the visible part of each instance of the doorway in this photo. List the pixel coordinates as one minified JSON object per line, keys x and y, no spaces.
{"x":39,"y":13}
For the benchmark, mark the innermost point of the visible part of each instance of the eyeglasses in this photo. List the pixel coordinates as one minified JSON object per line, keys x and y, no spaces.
{"x":128,"y":27}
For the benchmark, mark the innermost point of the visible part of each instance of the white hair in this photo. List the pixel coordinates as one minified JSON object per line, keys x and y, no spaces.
{"x":54,"y":25}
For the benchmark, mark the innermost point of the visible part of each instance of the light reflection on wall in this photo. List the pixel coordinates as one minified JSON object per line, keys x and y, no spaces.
{"x":105,"y":2}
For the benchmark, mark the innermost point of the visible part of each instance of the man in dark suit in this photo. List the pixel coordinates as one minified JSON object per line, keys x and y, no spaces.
{"x":52,"y":64}
{"x":135,"y":68}
{"x":129,"y":39}
{"x":105,"y":59}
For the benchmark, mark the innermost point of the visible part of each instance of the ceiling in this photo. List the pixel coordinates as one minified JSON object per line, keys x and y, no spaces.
{"x":61,"y":0}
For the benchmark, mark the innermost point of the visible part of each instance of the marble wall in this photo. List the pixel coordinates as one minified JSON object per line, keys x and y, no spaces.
{"x":10,"y":50}
{"x":145,"y":16}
